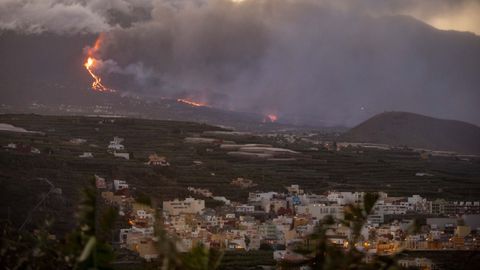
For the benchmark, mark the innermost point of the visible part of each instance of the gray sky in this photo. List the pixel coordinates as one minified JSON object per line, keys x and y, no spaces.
{"x":96,"y":16}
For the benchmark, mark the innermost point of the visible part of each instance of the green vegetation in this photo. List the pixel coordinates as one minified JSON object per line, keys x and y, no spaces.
{"x":247,"y":259}
{"x":86,"y":247}
{"x":143,"y":198}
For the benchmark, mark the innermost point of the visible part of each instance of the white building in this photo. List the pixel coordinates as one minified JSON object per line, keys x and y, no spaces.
{"x":116,"y":144}
{"x":86,"y":155}
{"x":312,"y":198}
{"x":344,"y":198}
{"x":144,"y":231}
{"x":119,"y":184}
{"x":11,"y":146}
{"x":229,"y":216}
{"x":418,"y":204}
{"x":244,"y":208}
{"x":259,"y":196}
{"x":391,"y":206}
{"x":222,"y":199}
{"x":187,"y":206}
{"x":122,"y":155}
{"x":320,"y":211}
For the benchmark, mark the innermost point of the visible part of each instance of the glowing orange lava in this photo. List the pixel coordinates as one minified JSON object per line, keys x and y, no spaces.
{"x":91,"y":63}
{"x":97,"y":81}
{"x":271,"y":117}
{"x":192,"y":103}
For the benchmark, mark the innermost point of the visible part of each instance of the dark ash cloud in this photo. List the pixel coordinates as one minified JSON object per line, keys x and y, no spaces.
{"x":71,"y":16}
{"x":304,"y":60}
{"x":333,"y":62}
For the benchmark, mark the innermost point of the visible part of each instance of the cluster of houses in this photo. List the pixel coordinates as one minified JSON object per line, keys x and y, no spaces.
{"x":282,"y":221}
{"x":139,"y":235}
{"x":116,"y":148}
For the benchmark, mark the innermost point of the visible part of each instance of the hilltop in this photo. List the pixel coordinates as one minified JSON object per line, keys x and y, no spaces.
{"x":419,"y":131}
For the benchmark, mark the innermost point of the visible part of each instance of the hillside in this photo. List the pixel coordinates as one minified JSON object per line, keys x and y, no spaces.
{"x":198,"y":165}
{"x":116,"y":105}
{"x":414,"y":130}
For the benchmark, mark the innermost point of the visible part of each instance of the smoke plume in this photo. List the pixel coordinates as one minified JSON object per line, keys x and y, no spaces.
{"x":322,"y":62}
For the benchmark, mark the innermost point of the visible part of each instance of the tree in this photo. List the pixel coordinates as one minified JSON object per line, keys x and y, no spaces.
{"x":86,"y":247}
{"x":201,"y":258}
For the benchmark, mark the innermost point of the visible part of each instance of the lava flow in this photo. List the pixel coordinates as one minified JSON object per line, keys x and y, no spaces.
{"x":192,"y":103}
{"x":91,"y":63}
{"x":97,"y":81}
{"x":272,"y":118}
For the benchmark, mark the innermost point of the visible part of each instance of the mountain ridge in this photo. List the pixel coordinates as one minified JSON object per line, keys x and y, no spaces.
{"x":416,"y":130}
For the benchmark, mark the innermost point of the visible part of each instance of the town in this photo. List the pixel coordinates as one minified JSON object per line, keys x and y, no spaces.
{"x":281,"y":221}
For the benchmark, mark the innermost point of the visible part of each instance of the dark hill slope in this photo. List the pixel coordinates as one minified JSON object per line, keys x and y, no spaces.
{"x":414,"y":130}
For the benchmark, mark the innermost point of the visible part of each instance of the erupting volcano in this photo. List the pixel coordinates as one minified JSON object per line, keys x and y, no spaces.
{"x":91,"y":64}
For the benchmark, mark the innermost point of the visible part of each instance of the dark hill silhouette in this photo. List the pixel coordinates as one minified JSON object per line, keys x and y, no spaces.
{"x":414,"y":130}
